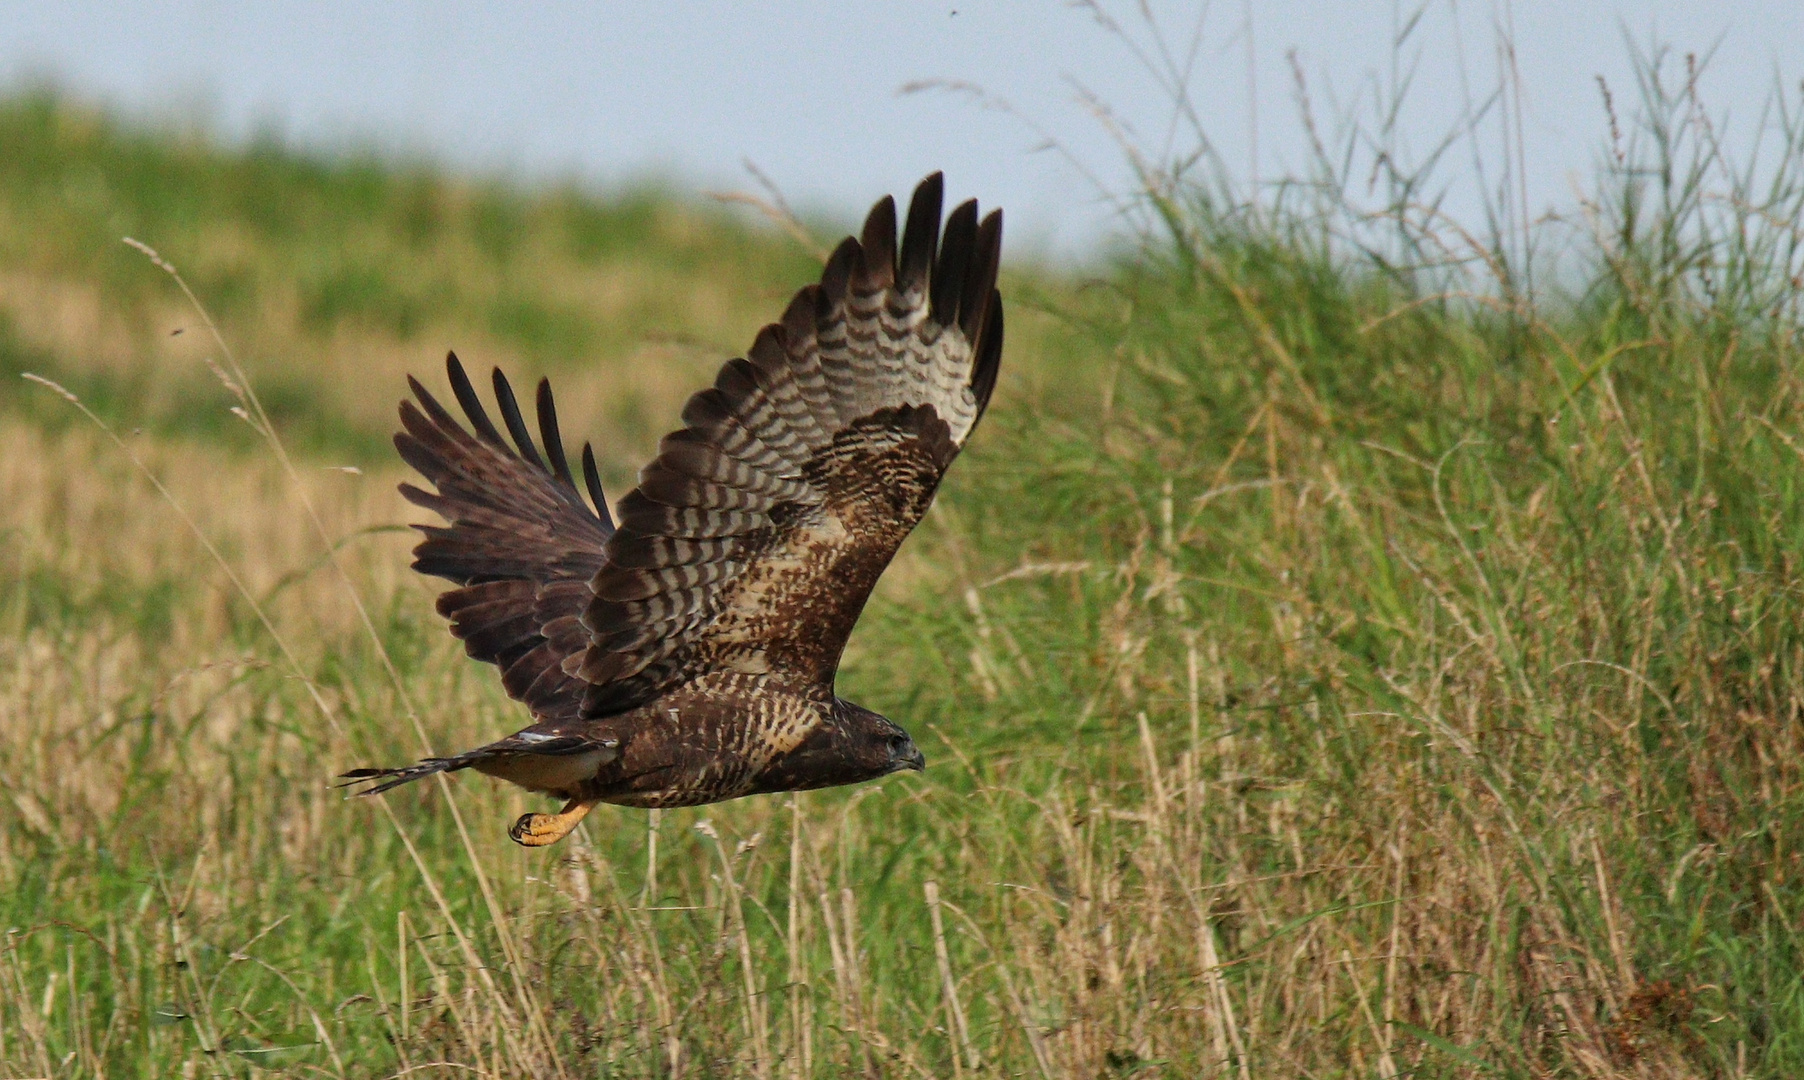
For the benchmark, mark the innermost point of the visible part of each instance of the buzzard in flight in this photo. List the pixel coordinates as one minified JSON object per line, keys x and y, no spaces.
{"x":687,"y":654}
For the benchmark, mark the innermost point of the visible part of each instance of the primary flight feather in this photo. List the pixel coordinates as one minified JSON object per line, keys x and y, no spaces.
{"x":687,"y":654}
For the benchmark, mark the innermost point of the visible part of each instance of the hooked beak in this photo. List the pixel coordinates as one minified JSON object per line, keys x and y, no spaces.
{"x":911,"y":760}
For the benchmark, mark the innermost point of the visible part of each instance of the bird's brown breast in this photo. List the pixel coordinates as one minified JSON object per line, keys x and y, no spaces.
{"x":710,"y":739}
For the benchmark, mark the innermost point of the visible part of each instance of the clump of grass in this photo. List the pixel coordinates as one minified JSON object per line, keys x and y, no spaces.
{"x":1495,"y":593}
{"x":1380,"y":666}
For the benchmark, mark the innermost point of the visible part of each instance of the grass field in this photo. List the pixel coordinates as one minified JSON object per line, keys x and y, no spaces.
{"x":1330,"y":665}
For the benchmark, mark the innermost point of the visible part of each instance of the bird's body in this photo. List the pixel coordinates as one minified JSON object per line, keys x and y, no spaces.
{"x":688,"y":656}
{"x":711,"y":738}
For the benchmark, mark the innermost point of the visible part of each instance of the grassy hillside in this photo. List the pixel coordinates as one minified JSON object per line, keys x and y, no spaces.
{"x":1327,"y":667}
{"x":336,"y":277}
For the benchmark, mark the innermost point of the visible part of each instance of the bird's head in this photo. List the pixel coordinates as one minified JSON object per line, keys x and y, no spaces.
{"x":855,"y":745}
{"x":877,"y":743}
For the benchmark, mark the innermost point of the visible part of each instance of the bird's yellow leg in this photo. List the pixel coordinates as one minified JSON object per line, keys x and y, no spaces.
{"x":537,"y":830}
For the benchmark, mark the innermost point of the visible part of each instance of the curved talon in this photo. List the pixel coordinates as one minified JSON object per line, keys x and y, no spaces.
{"x":538,"y":830}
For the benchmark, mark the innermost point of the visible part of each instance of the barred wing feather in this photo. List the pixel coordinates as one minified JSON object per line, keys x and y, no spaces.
{"x":520,"y":542}
{"x":755,"y":537}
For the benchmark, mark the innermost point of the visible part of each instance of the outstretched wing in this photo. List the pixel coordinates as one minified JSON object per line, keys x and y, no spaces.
{"x":520,"y":540}
{"x":755,"y":537}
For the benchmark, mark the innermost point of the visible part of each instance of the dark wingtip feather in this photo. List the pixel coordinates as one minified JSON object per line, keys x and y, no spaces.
{"x":921,"y":237}
{"x":548,"y":434}
{"x":592,"y":479}
{"x":980,"y":278}
{"x":879,"y":242}
{"x":989,"y":354}
{"x":412,"y":450}
{"x":439,"y":417}
{"x":798,"y":317}
{"x":466,"y":397}
{"x":838,"y":271}
{"x":510,"y":415}
{"x":769,"y":352}
{"x":955,"y":260}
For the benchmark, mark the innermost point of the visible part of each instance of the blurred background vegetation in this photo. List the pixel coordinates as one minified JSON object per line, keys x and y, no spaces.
{"x":338,"y":276}
{"x":1355,"y":644}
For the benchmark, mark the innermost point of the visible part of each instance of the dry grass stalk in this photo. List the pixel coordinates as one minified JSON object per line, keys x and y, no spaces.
{"x":955,"y":1013}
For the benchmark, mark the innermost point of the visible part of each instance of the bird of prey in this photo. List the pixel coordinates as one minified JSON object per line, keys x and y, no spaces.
{"x":687,"y":655}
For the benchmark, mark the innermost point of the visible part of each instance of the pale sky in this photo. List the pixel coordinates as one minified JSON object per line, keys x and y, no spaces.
{"x":810,"y":90}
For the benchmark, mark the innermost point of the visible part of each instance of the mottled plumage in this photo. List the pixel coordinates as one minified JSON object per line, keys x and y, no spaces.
{"x":688,"y":654}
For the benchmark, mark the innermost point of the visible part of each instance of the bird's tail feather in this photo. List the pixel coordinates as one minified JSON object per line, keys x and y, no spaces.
{"x":530,"y":743}
{"x":393,"y":778}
